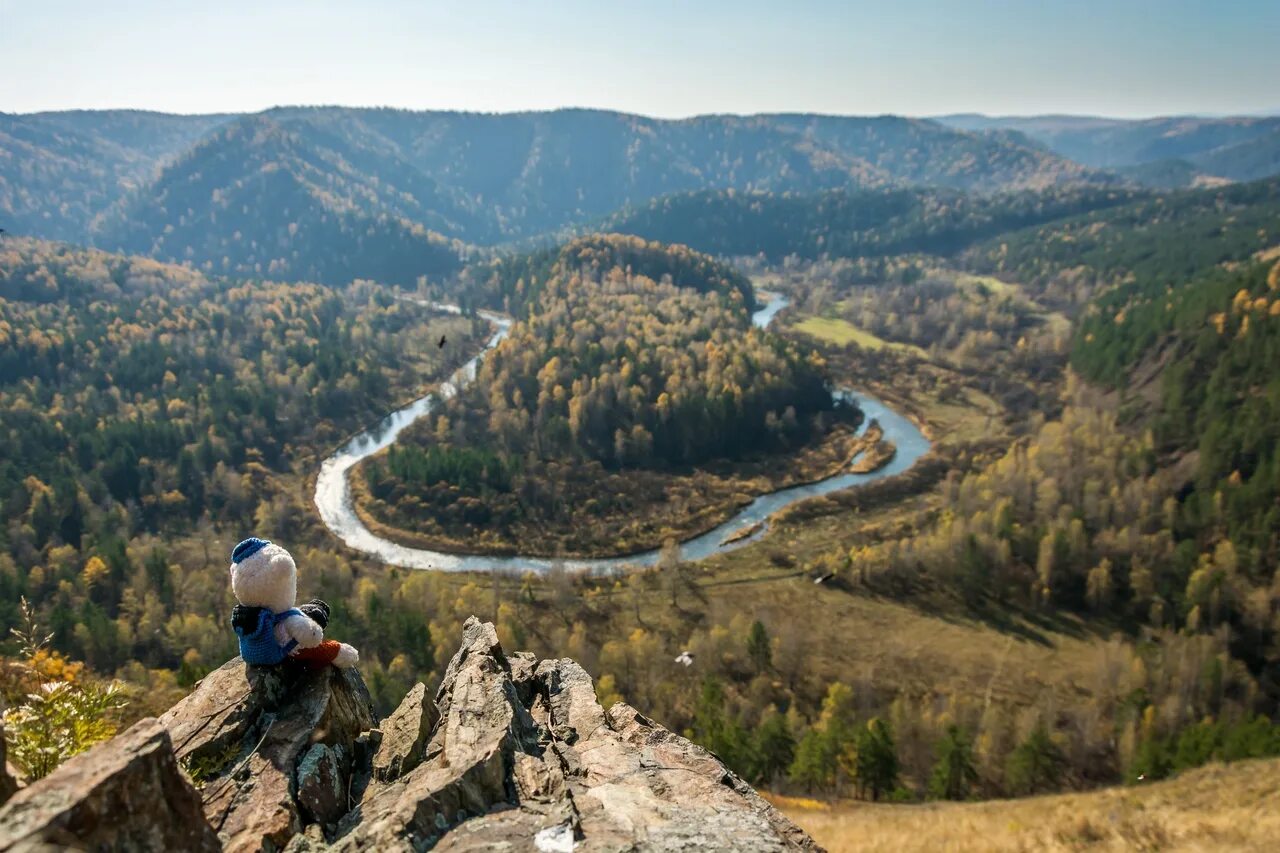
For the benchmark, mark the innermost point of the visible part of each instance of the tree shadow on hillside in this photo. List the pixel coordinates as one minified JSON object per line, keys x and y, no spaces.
{"x":1019,"y":620}
{"x":1007,"y":617}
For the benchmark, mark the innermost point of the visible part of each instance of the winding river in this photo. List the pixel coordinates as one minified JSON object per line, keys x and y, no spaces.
{"x":333,"y":494}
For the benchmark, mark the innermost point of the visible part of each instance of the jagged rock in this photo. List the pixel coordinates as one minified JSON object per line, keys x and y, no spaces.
{"x":404,"y":735}
{"x":245,"y":733}
{"x":323,"y":771}
{"x":524,"y":668}
{"x":682,"y":795}
{"x":8,"y":780}
{"x":465,"y":771}
{"x":524,"y":758}
{"x":512,"y":754}
{"x":125,"y":794}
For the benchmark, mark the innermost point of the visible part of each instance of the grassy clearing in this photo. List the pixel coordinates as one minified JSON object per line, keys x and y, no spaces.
{"x":973,"y":418}
{"x":843,"y":332}
{"x":991,"y":284}
{"x":1056,"y":323}
{"x":1219,"y":807}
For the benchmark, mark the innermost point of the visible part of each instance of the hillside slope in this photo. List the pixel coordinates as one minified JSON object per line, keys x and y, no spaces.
{"x":851,"y":223}
{"x":1219,"y":807}
{"x":58,"y":170}
{"x":1258,"y":157}
{"x":262,"y":199}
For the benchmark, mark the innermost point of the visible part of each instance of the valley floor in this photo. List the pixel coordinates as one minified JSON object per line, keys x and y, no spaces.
{"x":1218,"y":807}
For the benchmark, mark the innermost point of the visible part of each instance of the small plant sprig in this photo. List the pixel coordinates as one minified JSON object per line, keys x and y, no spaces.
{"x":63,"y":714}
{"x":30,"y":643}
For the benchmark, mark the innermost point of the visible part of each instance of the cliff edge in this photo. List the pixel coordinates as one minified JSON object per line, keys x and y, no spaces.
{"x":511,"y":753}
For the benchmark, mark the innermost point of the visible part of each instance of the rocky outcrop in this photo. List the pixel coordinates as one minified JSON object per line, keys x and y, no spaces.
{"x":404,"y":735}
{"x":127,"y":794}
{"x":274,"y":749}
{"x":524,"y":757}
{"x":511,"y":753}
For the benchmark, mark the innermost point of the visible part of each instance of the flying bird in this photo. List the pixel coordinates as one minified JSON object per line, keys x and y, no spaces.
{"x":824,"y":578}
{"x":441,"y":344}
{"x":685,"y":658}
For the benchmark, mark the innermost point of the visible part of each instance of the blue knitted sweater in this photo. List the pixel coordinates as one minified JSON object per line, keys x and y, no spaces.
{"x":259,"y":646}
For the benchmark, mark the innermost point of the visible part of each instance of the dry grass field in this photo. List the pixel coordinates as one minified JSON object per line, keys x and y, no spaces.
{"x":840,"y":331}
{"x":1232,"y":807}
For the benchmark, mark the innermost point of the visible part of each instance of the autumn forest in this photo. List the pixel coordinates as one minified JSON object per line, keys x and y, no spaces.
{"x":1074,"y":584}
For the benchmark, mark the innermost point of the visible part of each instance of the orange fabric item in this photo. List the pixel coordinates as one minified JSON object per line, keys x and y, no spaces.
{"x":320,"y":656}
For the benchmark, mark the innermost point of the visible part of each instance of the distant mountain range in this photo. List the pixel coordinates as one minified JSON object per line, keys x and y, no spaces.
{"x":329,"y":193}
{"x":481,"y":178}
{"x":1177,"y":151}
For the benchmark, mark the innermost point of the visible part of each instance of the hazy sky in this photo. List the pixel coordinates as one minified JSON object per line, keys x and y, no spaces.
{"x":1112,"y":57}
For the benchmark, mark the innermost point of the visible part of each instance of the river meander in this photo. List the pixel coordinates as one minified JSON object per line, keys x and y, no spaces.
{"x":333,"y":493}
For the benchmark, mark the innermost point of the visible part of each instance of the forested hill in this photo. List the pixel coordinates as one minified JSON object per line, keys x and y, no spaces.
{"x":1131,"y":258}
{"x":851,"y":223}
{"x":514,"y":283}
{"x":481,"y":178}
{"x":633,"y":363}
{"x":259,"y":199}
{"x":1183,"y":320}
{"x":59,"y":170}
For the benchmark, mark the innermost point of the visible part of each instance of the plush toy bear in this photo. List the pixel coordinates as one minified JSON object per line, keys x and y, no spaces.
{"x":271,"y":629}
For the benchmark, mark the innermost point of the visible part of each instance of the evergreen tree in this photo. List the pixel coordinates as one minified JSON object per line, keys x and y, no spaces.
{"x":975,"y":572}
{"x":758,"y":647}
{"x":818,"y":755}
{"x":814,"y":765}
{"x":876,"y":764}
{"x":1036,"y":764}
{"x":716,"y":731}
{"x":773,"y":749}
{"x":954,"y":775}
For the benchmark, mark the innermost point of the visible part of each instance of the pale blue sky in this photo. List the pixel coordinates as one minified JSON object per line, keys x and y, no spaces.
{"x":1109,"y":57}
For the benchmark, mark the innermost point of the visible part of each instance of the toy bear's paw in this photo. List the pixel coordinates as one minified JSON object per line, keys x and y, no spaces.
{"x":307,"y":633}
{"x":347,"y":657}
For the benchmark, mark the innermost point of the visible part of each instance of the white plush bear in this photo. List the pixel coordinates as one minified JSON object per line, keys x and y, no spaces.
{"x":271,"y":628}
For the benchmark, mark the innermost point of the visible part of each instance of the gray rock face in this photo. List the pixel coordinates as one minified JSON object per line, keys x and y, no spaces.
{"x":8,"y":784}
{"x":322,"y":794}
{"x":125,"y":794}
{"x":524,"y":758}
{"x":511,"y":754}
{"x":249,"y":737}
{"x":404,"y":735}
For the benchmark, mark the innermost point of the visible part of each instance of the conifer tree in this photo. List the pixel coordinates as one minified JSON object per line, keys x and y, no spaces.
{"x":954,"y":775}
{"x":758,"y":647}
{"x":876,"y":764}
{"x":1036,"y":764}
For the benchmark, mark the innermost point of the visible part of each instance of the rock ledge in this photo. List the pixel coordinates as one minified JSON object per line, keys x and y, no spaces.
{"x":511,"y":753}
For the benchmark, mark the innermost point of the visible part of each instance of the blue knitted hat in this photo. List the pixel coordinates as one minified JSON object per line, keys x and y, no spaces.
{"x":248,"y":548}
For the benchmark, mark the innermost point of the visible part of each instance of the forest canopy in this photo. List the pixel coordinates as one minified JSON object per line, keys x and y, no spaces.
{"x":139,"y":398}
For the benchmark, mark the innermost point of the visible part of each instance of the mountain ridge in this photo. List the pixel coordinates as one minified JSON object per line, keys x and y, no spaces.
{"x":1214,"y":146}
{"x":493,"y":177}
